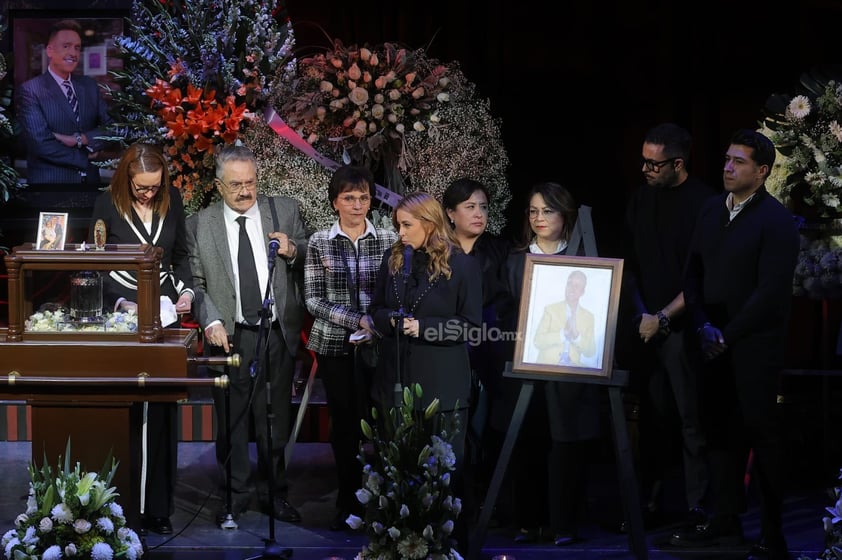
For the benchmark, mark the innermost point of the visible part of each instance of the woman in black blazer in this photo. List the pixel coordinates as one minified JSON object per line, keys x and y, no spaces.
{"x":138,"y":207}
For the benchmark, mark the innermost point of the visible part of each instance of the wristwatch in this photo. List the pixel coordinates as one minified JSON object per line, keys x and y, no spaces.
{"x":78,"y":141}
{"x":663,"y":322}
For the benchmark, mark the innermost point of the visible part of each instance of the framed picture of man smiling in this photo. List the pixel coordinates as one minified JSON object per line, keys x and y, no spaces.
{"x":568,"y":318}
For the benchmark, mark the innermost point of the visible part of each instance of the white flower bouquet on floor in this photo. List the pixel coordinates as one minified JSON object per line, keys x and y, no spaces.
{"x":409,"y":504}
{"x":71,"y":515}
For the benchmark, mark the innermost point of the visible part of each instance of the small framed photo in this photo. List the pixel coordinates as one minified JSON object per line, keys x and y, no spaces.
{"x":95,"y":60}
{"x":568,"y":318}
{"x":52,"y":230}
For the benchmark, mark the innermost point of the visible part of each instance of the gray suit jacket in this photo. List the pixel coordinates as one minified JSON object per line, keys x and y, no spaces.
{"x":43,"y":109}
{"x":213,"y":274}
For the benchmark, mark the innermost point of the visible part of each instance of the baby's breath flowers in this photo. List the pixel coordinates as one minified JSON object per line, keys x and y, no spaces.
{"x":409,"y":505}
{"x":458,"y":138}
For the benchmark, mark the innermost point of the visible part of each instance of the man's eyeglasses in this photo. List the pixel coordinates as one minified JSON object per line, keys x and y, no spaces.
{"x":652,"y":165}
{"x":237,"y":186}
{"x":144,"y":190}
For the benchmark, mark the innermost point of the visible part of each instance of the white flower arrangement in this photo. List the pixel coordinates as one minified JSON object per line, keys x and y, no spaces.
{"x":72,"y":515}
{"x":59,"y":320}
{"x":409,"y":505}
{"x":807,"y":176}
{"x":807,"y":132}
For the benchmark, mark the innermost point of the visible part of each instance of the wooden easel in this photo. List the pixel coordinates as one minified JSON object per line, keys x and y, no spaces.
{"x":582,"y":235}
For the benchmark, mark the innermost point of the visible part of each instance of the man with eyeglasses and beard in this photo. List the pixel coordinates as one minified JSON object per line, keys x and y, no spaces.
{"x":230,"y":262}
{"x":659,"y":220}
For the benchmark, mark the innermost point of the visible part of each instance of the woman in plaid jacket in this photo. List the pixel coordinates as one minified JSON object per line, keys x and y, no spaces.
{"x":339,"y":276}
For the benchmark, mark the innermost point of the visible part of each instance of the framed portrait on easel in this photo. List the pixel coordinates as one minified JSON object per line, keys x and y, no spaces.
{"x":568,"y":318}
{"x":52,"y":231}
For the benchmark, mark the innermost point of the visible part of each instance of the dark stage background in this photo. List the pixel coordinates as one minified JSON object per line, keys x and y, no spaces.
{"x":577,"y":84}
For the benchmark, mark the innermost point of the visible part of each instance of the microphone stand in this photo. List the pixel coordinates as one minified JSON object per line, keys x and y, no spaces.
{"x":271,"y":549}
{"x":228,"y":522}
{"x":398,"y":316}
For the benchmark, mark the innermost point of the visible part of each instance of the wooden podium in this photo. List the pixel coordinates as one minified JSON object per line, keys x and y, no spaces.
{"x":83,"y":385}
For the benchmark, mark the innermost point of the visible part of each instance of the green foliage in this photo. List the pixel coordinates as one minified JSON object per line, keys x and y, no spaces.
{"x":409,"y":504}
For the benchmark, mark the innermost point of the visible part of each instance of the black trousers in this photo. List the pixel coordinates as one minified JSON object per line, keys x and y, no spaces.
{"x":741,"y":413}
{"x":250,"y":399}
{"x":161,"y":457}
{"x":347,"y":387}
{"x":669,"y":407}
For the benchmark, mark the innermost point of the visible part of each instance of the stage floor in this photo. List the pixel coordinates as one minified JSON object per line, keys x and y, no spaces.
{"x":311,"y":474}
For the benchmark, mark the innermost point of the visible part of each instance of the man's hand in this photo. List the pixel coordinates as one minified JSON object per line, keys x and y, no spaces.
{"x":712,"y":342}
{"x":68,"y":140}
{"x":286,"y":248}
{"x":216,"y":336}
{"x":649,"y":327}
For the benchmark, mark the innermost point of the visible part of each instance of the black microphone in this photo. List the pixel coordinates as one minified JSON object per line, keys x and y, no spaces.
{"x":272,"y":252}
{"x":407,"y":261}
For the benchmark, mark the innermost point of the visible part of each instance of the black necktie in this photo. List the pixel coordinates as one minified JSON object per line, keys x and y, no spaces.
{"x":250,"y":299}
{"x":71,"y":98}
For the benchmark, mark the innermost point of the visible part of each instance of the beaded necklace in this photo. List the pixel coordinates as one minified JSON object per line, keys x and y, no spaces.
{"x":421,"y":296}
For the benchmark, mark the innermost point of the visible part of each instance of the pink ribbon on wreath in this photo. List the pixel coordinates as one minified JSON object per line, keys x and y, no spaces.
{"x":282,"y":129}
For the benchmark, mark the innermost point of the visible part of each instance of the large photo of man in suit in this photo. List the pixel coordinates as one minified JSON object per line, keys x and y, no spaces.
{"x":62,"y":114}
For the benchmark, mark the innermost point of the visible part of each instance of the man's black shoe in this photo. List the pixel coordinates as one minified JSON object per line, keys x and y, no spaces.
{"x":696,"y":517}
{"x":765,"y":550}
{"x":719,"y":531}
{"x":238,"y":507}
{"x":160,"y":525}
{"x":284,"y":511}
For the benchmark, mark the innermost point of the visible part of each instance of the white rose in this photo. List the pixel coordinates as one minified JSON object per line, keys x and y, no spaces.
{"x":358,"y":96}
